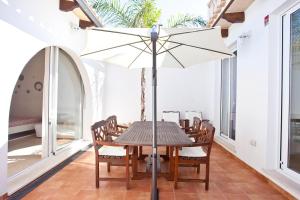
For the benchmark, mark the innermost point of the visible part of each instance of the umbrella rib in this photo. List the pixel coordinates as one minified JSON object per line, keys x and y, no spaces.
{"x":163,"y":44}
{"x":143,"y":50}
{"x":187,"y":32}
{"x":173,"y":56}
{"x":140,"y":49}
{"x":119,"y":32}
{"x":188,"y":45}
{"x":146,"y":43}
{"x":169,"y":49}
{"x":122,"y":45}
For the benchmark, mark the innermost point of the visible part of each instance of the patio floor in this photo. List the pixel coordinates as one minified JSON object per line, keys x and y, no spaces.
{"x":229,"y":180}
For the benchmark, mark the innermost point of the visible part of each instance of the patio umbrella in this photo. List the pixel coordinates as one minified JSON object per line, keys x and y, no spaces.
{"x":155,"y":48}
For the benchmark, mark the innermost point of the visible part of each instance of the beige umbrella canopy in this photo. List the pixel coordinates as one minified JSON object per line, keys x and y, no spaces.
{"x":176,"y":47}
{"x":155,"y":48}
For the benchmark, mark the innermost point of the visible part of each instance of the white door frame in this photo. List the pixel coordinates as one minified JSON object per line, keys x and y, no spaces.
{"x":50,"y":158}
{"x":286,"y":73}
{"x":233,"y":49}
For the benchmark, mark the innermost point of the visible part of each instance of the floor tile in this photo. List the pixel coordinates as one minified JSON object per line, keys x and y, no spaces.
{"x":229,"y":180}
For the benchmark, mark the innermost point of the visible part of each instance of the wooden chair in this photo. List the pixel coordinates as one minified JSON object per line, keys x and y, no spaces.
{"x":109,"y":152}
{"x":171,"y":116}
{"x":114,"y":130}
{"x":189,"y":115}
{"x":195,"y":154}
{"x":195,"y":128}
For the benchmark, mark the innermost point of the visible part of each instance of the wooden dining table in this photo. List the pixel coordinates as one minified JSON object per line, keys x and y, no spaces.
{"x":169,"y":134}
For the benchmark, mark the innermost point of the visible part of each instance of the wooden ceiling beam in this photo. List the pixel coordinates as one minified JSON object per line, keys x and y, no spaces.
{"x":237,"y":17}
{"x":68,"y":5}
{"x":224,"y":32}
{"x":84,"y":24}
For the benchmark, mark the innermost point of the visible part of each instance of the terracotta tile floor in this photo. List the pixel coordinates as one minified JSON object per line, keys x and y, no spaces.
{"x":230,"y":180}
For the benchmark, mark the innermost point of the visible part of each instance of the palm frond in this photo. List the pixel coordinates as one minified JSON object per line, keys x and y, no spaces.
{"x":134,"y":13}
{"x":146,"y":14}
{"x":112,"y":12}
{"x":185,"y":20}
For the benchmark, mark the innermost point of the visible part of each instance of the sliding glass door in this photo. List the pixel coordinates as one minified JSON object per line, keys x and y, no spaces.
{"x":290,"y":158}
{"x":69,"y":101}
{"x":66,"y":100}
{"x":228,"y":97}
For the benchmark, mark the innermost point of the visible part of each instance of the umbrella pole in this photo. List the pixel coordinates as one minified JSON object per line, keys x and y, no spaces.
{"x":154,"y":192}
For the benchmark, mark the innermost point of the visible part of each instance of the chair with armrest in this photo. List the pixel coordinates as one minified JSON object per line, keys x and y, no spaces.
{"x":108,"y":152}
{"x":195,"y":128}
{"x":191,"y":114}
{"x":195,"y":154}
{"x":114,"y":130}
{"x":171,"y":116}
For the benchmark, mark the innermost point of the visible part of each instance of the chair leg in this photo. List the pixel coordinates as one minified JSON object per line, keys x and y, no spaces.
{"x":167,"y":150}
{"x":176,"y":169}
{"x":97,"y":173}
{"x":198,"y":169}
{"x":207,"y":176}
{"x":171,"y":163}
{"x":127,"y":168}
{"x":134,"y":161}
{"x":108,"y":166}
{"x":140,"y":152}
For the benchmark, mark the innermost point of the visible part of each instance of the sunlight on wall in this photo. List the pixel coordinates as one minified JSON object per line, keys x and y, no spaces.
{"x":5,"y":2}
{"x":13,"y":42}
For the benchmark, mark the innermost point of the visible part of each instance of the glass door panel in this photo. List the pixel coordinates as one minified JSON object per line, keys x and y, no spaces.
{"x":294,"y":118}
{"x":69,"y":101}
{"x":233,"y":66}
{"x":290,"y":152}
{"x":228,"y":97}
{"x":225,"y":91}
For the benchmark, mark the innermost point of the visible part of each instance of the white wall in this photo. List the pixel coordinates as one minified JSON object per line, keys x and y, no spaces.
{"x":183,"y":90}
{"x":178,"y":89}
{"x":258,"y":87}
{"x":26,"y":100}
{"x":96,"y":72}
{"x":43,"y":20}
{"x":8,"y":79}
{"x":122,"y":93}
{"x":26,"y":28}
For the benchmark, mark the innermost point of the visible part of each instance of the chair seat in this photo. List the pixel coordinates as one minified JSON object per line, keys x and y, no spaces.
{"x":112,"y":151}
{"x":191,"y":153}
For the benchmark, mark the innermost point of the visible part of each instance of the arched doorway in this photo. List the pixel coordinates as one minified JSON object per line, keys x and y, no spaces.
{"x":25,"y":145}
{"x":46,"y":114}
{"x":67,"y":101}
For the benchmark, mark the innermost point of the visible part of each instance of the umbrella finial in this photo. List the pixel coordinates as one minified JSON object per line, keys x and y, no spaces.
{"x":155,"y":32}
{"x":156,"y":29}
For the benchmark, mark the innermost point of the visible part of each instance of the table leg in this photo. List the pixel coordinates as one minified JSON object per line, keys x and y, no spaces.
{"x":134,"y":162}
{"x":171,"y":164}
{"x":140,"y":151}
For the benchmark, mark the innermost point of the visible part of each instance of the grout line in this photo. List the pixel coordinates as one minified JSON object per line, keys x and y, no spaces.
{"x":258,"y":174}
{"x":35,"y":183}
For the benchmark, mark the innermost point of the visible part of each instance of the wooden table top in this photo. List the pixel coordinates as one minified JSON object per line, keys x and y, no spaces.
{"x":140,"y":134}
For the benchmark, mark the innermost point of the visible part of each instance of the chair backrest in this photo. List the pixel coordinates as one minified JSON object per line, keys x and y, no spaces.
{"x":196,"y":124}
{"x":99,"y":133}
{"x":207,"y":132}
{"x":112,"y":125}
{"x":171,"y":116}
{"x":191,"y":114}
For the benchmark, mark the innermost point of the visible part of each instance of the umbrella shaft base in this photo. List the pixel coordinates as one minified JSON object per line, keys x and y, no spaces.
{"x":149,"y":163}
{"x":155,"y":194}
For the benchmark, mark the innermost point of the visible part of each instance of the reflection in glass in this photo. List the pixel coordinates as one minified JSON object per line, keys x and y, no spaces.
{"x":233,"y":66}
{"x":294,"y":132}
{"x":224,"y":97}
{"x":69,"y":102}
{"x":228,"y":96}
